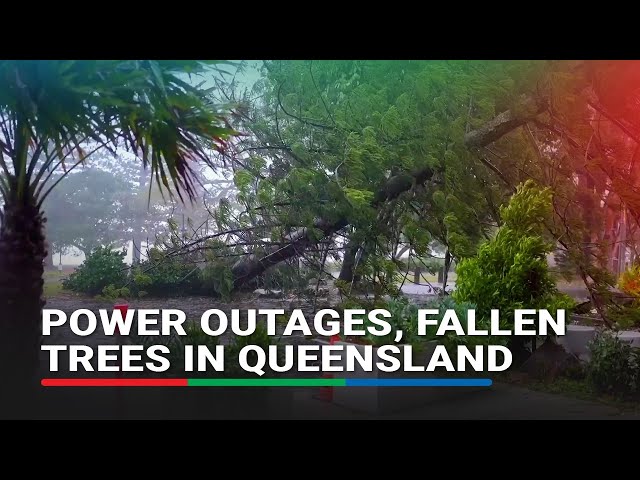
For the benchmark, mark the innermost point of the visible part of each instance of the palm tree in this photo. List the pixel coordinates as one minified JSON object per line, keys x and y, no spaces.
{"x":53,"y":115}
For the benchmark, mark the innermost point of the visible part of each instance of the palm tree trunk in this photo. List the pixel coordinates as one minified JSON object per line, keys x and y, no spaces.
{"x":22,"y":252}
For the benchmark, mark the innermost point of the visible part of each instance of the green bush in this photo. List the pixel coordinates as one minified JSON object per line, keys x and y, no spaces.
{"x":111,"y":292}
{"x":404,"y":316}
{"x":284,"y":276}
{"x":625,"y":316}
{"x":511,"y":271}
{"x":614,"y":367}
{"x":195,"y":336}
{"x":259,"y":338}
{"x":164,"y":276}
{"x":450,"y":340}
{"x":102,"y":268}
{"x":217,"y":278}
{"x":176,"y":343}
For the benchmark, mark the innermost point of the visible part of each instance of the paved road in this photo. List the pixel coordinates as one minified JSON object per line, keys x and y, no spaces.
{"x":500,"y":402}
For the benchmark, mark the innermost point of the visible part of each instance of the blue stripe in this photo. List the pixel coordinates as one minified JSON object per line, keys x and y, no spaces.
{"x":418,"y":382}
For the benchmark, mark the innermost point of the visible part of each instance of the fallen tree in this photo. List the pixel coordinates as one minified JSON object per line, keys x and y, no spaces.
{"x":251,"y":266}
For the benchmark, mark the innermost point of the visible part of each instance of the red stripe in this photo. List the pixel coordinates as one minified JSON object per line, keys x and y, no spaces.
{"x":114,"y":382}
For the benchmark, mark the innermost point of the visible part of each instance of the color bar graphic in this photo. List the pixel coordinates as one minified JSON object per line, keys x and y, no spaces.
{"x":419,"y":382}
{"x":266,"y":382}
{"x":114,"y":382}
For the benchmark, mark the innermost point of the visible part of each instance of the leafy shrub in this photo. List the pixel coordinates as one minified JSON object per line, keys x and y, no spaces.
{"x":625,"y":316}
{"x":164,"y":276}
{"x":630,"y":281}
{"x":450,"y":340}
{"x":614,"y":367}
{"x":195,"y":336}
{"x":111,"y":292}
{"x":404,"y":316}
{"x":285,"y":276}
{"x":511,"y":271}
{"x":259,"y":338}
{"x":102,"y":267}
{"x":217,"y":278}
{"x":176,"y":343}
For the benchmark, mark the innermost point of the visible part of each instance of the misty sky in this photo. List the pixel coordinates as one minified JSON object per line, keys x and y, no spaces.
{"x":245,"y":78}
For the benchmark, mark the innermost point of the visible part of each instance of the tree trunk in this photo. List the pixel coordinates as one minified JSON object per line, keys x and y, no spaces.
{"x":250,"y":267}
{"x":22,"y":253}
{"x":135,"y":250}
{"x":51,"y":262}
{"x":445,"y":271}
{"x":527,"y":109}
{"x":349,"y":262}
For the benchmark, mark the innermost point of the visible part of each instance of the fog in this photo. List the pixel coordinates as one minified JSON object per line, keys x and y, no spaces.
{"x":72,"y":215}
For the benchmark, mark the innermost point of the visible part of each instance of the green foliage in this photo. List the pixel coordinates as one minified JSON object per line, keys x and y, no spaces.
{"x":511,"y":271}
{"x":451,"y":340}
{"x":379,"y":275}
{"x":285,"y":276}
{"x":259,"y":338}
{"x":358,"y":198}
{"x":161,"y":275}
{"x":404,"y":316}
{"x":217,"y":278}
{"x":528,"y":209}
{"x":625,"y":316}
{"x":630,"y":280}
{"x":142,"y":280}
{"x":111,"y":292}
{"x":145,"y":104}
{"x":354,"y":133}
{"x":627,"y":313}
{"x":614,"y":367}
{"x":176,"y":343}
{"x":102,"y":268}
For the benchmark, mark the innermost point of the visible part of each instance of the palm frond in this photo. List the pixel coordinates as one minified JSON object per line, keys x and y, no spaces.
{"x":148,"y":107}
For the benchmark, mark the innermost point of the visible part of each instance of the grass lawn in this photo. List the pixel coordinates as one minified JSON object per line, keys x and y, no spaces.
{"x":53,"y":282}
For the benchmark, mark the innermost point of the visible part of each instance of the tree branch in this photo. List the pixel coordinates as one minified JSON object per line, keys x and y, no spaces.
{"x":497,"y":127}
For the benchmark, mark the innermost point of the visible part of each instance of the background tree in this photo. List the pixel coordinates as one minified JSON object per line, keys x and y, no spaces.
{"x":85,"y":211}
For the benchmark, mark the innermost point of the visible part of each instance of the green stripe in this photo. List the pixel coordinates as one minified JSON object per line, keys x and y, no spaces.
{"x":266,"y":382}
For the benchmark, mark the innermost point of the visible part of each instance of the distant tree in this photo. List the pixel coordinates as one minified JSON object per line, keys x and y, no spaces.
{"x":84,"y":211}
